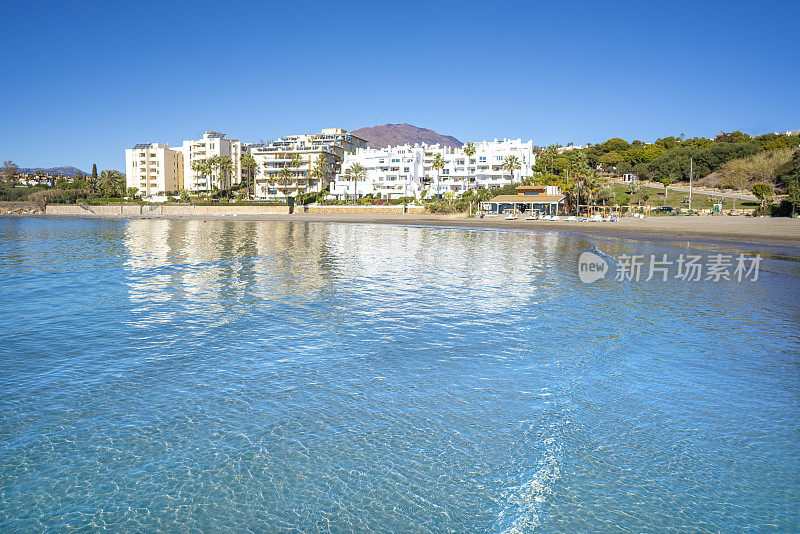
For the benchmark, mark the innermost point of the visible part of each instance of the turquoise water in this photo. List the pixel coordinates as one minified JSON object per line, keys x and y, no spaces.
{"x":294,"y":377}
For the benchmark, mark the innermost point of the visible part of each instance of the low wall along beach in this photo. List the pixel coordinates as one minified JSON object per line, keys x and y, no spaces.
{"x":171,"y":210}
{"x":167,"y":210}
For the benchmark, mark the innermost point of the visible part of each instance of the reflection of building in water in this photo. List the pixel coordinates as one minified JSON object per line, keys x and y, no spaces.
{"x":292,"y":257}
{"x":488,"y":269}
{"x":222,"y":269}
{"x":219,"y":262}
{"x":149,"y":245}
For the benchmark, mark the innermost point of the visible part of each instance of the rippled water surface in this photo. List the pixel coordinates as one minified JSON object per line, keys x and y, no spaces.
{"x":295,"y":377}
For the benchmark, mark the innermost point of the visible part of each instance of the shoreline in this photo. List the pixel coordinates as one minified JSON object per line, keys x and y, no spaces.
{"x":783,"y":232}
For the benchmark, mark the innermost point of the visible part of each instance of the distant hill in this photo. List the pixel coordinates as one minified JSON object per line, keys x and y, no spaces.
{"x":64,"y":171}
{"x":399,"y":134}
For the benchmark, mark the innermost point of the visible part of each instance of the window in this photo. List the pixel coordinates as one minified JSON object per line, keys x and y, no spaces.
{"x":482,"y":159}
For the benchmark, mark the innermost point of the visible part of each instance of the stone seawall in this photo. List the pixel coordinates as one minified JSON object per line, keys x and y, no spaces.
{"x":143,"y":210}
{"x":360,"y":210}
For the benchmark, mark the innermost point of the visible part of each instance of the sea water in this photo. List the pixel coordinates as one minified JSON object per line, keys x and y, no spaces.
{"x":168,"y":375}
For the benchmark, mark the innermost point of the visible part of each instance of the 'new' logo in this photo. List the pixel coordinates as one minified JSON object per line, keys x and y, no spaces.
{"x":591,"y":267}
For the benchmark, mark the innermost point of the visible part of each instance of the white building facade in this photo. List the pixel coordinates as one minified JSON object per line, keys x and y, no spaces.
{"x":391,"y":172}
{"x":406,"y":170}
{"x":200,"y":150}
{"x":154,"y":169}
{"x":285,"y":166}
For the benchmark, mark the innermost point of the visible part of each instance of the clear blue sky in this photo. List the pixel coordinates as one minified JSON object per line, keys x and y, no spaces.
{"x":82,"y":81}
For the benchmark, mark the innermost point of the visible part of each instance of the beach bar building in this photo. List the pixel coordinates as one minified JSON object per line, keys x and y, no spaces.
{"x":544,"y":199}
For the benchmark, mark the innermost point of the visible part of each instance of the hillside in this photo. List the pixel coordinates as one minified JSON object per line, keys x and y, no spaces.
{"x":398,"y":134}
{"x":64,"y":171}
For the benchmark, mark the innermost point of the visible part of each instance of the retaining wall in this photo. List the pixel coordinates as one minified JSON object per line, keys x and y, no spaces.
{"x":128,"y":210}
{"x":356,"y":210}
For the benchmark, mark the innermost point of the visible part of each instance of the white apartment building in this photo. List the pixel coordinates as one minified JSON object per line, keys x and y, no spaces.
{"x":405,"y":170}
{"x":154,"y":169}
{"x":331,"y":144}
{"x":199,"y":150}
{"x":391,"y":172}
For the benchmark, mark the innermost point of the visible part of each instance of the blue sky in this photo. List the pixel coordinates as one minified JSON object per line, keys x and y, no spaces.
{"x":85,"y":80}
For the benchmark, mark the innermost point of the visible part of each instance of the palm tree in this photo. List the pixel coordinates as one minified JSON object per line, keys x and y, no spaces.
{"x":295,"y":162}
{"x":438,"y":164}
{"x":469,"y":150}
{"x":579,"y":167}
{"x":212,"y":166}
{"x":224,"y":164}
{"x":204,"y":169}
{"x":284,"y":177}
{"x":250,"y":165}
{"x":356,"y":172}
{"x":318,"y":170}
{"x":510,"y":163}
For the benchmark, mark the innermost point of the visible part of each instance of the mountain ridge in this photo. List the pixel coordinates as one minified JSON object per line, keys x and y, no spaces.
{"x":398,"y":134}
{"x":66,"y":170}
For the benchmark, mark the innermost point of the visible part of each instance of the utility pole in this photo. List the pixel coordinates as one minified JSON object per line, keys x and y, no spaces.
{"x":691,"y":176}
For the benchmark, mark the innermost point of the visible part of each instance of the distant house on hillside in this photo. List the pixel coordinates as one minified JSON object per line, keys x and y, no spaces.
{"x":568,"y":148}
{"x":628,"y":178}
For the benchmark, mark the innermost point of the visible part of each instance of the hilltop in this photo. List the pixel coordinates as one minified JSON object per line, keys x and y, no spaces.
{"x":63,"y":171}
{"x":398,"y":134}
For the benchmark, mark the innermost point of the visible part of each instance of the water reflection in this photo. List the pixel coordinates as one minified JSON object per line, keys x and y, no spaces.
{"x":189,"y":375}
{"x":215,"y":263}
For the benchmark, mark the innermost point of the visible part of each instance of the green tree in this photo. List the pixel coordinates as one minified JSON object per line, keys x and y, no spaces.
{"x":94,"y":172}
{"x":666,"y":182}
{"x":469,"y":150}
{"x":111,"y":183}
{"x":438,"y":164}
{"x":790,"y":177}
{"x":285,"y":178}
{"x":510,"y":164}
{"x":763,"y":192}
{"x":793,"y":193}
{"x":295,"y":162}
{"x":131,"y":192}
{"x":9,"y":172}
{"x":579,"y":168}
{"x":204,"y":169}
{"x":355,"y":172}
{"x":560,"y":165}
{"x":732,"y":137}
{"x":609,"y":160}
{"x":615,"y":144}
{"x":224,"y":166}
{"x":668,"y":142}
{"x":212,"y":166}
{"x":319,"y":170}
{"x":249,"y":164}
{"x":642,"y":154}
